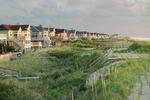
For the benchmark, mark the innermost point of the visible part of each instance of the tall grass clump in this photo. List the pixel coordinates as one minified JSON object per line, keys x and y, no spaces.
{"x":61,"y":70}
{"x":118,"y":84}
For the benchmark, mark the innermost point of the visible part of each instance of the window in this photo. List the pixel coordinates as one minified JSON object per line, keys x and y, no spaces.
{"x":26,"y":42}
{"x":34,"y":36}
{"x":15,"y":35}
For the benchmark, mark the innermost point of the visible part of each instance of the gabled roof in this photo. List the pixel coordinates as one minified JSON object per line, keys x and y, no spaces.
{"x":71,"y":31}
{"x":51,"y":29}
{"x":45,"y":29}
{"x":57,"y":31}
{"x":103,"y":34}
{"x":13,"y":27}
{"x":9,"y":27}
{"x":33,"y":29}
{"x":5,"y":27}
{"x":37,"y":29}
{"x":40,"y":28}
{"x":81,"y":32}
{"x":24,"y":27}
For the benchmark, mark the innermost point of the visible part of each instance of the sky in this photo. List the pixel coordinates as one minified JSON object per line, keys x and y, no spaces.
{"x":127,"y":17}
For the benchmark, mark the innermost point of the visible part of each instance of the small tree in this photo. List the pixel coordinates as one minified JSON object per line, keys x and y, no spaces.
{"x":10,"y":48}
{"x":135,"y":46}
{"x":1,"y":48}
{"x":4,"y":48}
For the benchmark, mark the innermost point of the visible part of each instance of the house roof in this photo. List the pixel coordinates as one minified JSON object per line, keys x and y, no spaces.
{"x":40,"y":28}
{"x":45,"y":29}
{"x":37,"y":29}
{"x":81,"y":32}
{"x":57,"y":31}
{"x":71,"y":31}
{"x":51,"y":29}
{"x":103,"y":34}
{"x":33,"y":29}
{"x":5,"y":27}
{"x":24,"y":27}
{"x":9,"y":27}
{"x":13,"y":27}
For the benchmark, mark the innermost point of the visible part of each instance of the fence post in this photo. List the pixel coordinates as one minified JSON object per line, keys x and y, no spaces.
{"x":72,"y":96}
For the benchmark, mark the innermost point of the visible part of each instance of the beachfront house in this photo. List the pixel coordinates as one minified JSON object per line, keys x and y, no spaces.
{"x":61,"y":34}
{"x":72,"y":35}
{"x":82,"y":35}
{"x":26,"y":37}
{"x":52,"y":36}
{"x":3,"y":34}
{"x":36,"y":37}
{"x":46,"y":38}
{"x":18,"y":36}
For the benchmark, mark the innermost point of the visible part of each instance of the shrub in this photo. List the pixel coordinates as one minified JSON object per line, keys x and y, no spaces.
{"x":61,"y":53}
{"x":10,"y":48}
{"x":139,"y":47}
{"x":135,"y":46}
{"x":6,"y":91}
{"x":6,"y":48}
{"x":10,"y":91}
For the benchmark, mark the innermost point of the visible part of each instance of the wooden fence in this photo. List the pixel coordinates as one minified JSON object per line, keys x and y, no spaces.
{"x":7,"y":57}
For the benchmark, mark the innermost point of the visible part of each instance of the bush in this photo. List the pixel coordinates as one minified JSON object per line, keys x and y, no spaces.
{"x":135,"y":46}
{"x":10,"y":48}
{"x":9,"y":91}
{"x":61,"y":53}
{"x":6,"y":48}
{"x":6,"y":91}
{"x":139,"y":47}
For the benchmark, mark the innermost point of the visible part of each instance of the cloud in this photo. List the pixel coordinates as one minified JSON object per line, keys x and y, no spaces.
{"x":135,"y":7}
{"x":94,"y":15}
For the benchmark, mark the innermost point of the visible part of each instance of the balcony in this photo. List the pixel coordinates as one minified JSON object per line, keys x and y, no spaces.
{"x":36,"y":44}
{"x":36,"y":38}
{"x":3,"y":36}
{"x":27,"y":38}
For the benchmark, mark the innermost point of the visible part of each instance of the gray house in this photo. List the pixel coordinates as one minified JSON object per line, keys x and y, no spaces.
{"x":82,"y":35}
{"x":36,"y":37}
{"x":72,"y":35}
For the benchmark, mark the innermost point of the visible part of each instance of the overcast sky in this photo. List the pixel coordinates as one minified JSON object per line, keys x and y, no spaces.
{"x":130,"y":17}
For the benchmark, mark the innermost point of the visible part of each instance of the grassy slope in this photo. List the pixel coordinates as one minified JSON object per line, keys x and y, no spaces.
{"x":61,"y":69}
{"x":118,"y":85}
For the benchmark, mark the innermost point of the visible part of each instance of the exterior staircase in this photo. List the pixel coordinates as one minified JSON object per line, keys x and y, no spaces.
{"x":17,"y":42}
{"x":47,"y":41}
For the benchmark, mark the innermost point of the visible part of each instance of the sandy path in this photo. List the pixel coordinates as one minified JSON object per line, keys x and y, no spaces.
{"x":141,"y":90}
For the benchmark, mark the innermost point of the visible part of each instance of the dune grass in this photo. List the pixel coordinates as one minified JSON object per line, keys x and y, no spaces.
{"x":60,"y":70}
{"x":118,"y":84}
{"x":64,"y":68}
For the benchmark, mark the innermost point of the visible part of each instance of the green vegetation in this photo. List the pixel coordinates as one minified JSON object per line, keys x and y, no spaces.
{"x":11,"y":90}
{"x":118,"y":84}
{"x":140,"y":47}
{"x":64,"y":69}
{"x":137,"y":46}
{"x":60,"y":70}
{"x":6,"y":48}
